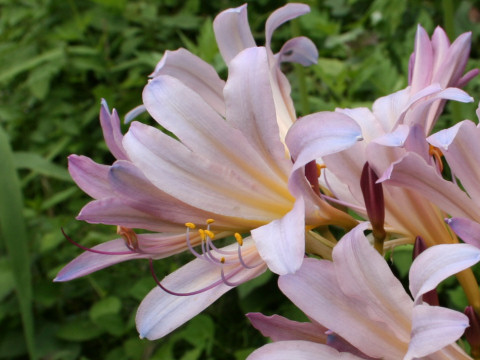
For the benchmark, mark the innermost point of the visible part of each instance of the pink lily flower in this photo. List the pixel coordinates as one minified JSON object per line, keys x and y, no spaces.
{"x":396,"y":125}
{"x":226,"y":172}
{"x":460,"y":146}
{"x":366,"y":305}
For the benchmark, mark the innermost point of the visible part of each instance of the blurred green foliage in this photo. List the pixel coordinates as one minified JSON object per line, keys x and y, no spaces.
{"x":59,"y":58}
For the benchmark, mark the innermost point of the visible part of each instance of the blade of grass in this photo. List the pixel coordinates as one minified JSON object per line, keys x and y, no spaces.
{"x":14,"y":234}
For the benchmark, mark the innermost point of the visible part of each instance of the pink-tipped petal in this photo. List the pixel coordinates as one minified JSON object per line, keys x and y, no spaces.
{"x":321,"y":134}
{"x":422,"y":71}
{"x":437,"y":263}
{"x":279,"y":328}
{"x":281,"y":243}
{"x":91,"y":177}
{"x":414,"y":173}
{"x":466,"y":229}
{"x":112,"y":132}
{"x":433,"y":328}
{"x":281,"y":16}
{"x":89,"y":262}
{"x":300,"y":50}
{"x":112,"y":211}
{"x":196,"y":74}
{"x":299,"y":350}
{"x":232,"y":32}
{"x":461,"y":146}
{"x":251,"y":106}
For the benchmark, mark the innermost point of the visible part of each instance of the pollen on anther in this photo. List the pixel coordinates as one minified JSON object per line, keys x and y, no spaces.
{"x":222,"y":260}
{"x":209,"y":221}
{"x":190,"y":225}
{"x":239,"y":238}
{"x":210,"y":234}
{"x":202,"y":234}
{"x":319,"y":169}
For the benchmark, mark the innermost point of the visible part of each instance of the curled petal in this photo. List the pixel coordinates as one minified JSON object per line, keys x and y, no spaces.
{"x":461,"y":147}
{"x":433,"y":328}
{"x":281,"y":16}
{"x":466,"y":229}
{"x":281,"y":243}
{"x":321,"y":134}
{"x":300,"y":50}
{"x":195,"y":73}
{"x":414,"y":173}
{"x":91,"y":177}
{"x":232,"y":32}
{"x":437,"y":263}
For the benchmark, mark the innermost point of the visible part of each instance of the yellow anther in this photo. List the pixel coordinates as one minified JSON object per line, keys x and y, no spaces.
{"x":202,"y":234}
{"x":210,"y":234}
{"x":319,"y":169}
{"x":209,"y":221}
{"x":239,"y":238}
{"x":190,"y":225}
{"x":222,"y":260}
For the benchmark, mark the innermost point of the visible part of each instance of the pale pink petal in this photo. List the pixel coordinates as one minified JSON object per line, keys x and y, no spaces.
{"x":202,"y":130}
{"x":279,"y":328}
{"x":371,"y":281}
{"x":160,"y":312}
{"x":232,"y":32}
{"x":440,"y":44}
{"x":461,"y":146}
{"x":314,"y":288}
{"x":414,"y":173}
{"x":89,"y":262}
{"x":422,"y":68}
{"x":437,"y":263}
{"x":132,"y":114}
{"x":387,"y":109}
{"x":300,"y":50}
{"x":396,"y":137}
{"x":111,"y":131}
{"x":112,"y":211}
{"x":298,"y":350}
{"x":321,"y":134}
{"x":281,"y":243}
{"x":370,"y":125}
{"x":453,"y":65}
{"x":281,"y":16}
{"x":251,"y":106}
{"x":466,"y":229}
{"x":136,"y":191}
{"x":433,"y":328}
{"x":202,"y":182}
{"x":195,"y":73}
{"x":465,"y":79}
{"x":91,"y":177}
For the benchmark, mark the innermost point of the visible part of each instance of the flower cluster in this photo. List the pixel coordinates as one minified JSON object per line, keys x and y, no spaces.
{"x":241,"y":167}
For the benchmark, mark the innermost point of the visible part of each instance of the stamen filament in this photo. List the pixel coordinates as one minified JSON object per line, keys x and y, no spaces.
{"x":96,"y":251}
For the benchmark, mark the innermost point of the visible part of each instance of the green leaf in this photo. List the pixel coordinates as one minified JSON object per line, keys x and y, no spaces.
{"x":14,"y":234}
{"x":53,"y":55}
{"x":79,"y":330}
{"x":34,"y":162}
{"x":106,"y":306}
